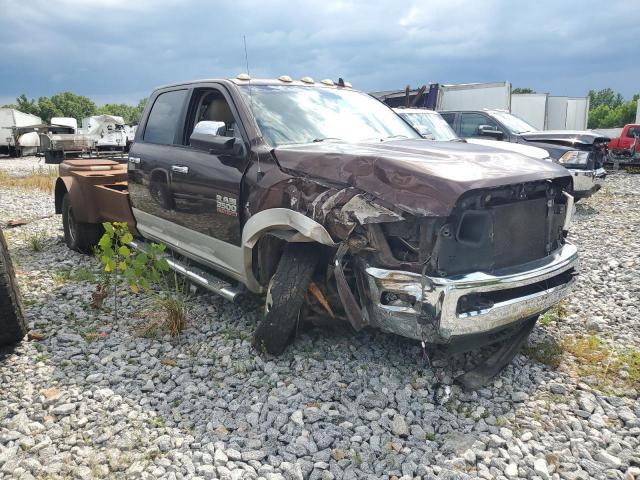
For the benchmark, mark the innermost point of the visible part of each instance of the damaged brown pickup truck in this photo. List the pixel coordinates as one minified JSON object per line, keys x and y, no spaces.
{"x":330,"y":205}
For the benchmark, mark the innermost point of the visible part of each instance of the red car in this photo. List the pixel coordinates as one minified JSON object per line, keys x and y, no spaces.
{"x":624,"y":147}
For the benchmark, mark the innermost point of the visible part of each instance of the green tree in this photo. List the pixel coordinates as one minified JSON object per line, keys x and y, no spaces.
{"x":523,"y":90}
{"x":131,"y":114}
{"x":27,"y":105}
{"x":72,"y":105}
{"x":47,"y":109}
{"x":597,"y":116}
{"x":603,"y":116}
{"x":606,"y":96}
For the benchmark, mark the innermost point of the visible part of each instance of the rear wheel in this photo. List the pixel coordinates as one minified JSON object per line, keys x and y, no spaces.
{"x":81,"y":237}
{"x":285,"y":296}
{"x":12,"y":323}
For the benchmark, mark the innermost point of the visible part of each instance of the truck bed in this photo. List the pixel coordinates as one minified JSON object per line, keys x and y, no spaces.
{"x":102,"y":185}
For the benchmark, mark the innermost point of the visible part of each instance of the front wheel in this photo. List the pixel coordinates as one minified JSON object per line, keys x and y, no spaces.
{"x":81,"y":237}
{"x":285,"y":296}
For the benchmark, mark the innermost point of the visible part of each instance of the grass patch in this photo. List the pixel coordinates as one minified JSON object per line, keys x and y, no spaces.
{"x":170,"y":315}
{"x":558,"y":312}
{"x":41,"y":178}
{"x":593,"y":360}
{"x":35,"y":241}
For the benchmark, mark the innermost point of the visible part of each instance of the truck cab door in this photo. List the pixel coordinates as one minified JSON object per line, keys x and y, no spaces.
{"x":472,"y":125}
{"x":191,"y":197}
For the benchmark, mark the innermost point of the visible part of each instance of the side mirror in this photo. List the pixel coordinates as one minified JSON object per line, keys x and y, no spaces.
{"x":208,"y":136}
{"x":489,"y":131}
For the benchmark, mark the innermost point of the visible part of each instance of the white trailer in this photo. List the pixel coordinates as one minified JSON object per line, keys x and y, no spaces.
{"x":577,"y":113}
{"x":557,"y":113}
{"x":546,"y":112}
{"x":474,"y":96}
{"x":531,"y":107}
{"x":13,"y":142}
{"x":65,"y":122}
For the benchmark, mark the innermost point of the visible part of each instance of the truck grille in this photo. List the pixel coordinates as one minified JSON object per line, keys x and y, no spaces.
{"x":488,"y":231}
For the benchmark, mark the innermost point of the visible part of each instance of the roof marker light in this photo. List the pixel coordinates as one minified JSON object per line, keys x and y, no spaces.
{"x":327,"y":81}
{"x":285,"y":78}
{"x":243,"y":76}
{"x":307,"y":80}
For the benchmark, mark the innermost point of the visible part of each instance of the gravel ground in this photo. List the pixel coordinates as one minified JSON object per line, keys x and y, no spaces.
{"x":95,"y":400}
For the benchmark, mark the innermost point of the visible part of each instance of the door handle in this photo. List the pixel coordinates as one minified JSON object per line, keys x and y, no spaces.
{"x":179,"y":169}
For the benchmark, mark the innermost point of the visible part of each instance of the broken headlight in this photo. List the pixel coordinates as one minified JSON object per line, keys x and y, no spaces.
{"x":574,"y":157}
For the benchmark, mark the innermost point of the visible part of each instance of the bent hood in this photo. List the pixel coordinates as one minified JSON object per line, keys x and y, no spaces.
{"x":566,"y":137}
{"x":418,"y":176}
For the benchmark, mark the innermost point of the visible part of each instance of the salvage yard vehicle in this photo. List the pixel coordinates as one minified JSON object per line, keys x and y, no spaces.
{"x":12,"y":322}
{"x":18,"y":134}
{"x":107,"y":130}
{"x":61,"y":140}
{"x":624,"y":149}
{"x":432,"y":126}
{"x":326,"y":202}
{"x":583,"y":153}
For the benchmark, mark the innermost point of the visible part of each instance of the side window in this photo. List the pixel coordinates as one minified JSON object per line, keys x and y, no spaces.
{"x":165,"y":118}
{"x":469,"y":123}
{"x":449,"y":118}
{"x":210,"y":105}
{"x":633,"y":131}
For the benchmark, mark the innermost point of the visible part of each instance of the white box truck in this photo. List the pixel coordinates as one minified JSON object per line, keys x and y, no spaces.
{"x":531,"y":107}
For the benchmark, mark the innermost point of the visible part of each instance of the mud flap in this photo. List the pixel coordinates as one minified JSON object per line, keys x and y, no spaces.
{"x":494,"y":364}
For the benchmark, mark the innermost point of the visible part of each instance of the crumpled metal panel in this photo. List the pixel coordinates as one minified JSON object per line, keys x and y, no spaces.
{"x":416,"y":176}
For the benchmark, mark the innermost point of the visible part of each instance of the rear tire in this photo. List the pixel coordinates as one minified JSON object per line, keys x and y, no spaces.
{"x":81,"y":237}
{"x":12,"y":324}
{"x":285,"y":296}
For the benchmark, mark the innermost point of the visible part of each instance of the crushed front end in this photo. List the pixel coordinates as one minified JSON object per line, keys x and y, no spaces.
{"x":500,"y":257}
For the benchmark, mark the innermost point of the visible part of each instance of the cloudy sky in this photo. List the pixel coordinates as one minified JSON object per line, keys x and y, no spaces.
{"x":118,"y":50}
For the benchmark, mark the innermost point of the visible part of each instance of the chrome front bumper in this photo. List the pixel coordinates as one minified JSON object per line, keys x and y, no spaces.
{"x":587,"y":182}
{"x":549,"y":280}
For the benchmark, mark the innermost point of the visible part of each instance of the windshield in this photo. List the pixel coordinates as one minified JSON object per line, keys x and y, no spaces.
{"x":514,"y":124}
{"x":436,"y":126}
{"x":297,"y":114}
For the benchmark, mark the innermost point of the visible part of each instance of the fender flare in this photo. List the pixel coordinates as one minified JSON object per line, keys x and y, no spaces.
{"x":278,"y":219}
{"x":84,"y":211}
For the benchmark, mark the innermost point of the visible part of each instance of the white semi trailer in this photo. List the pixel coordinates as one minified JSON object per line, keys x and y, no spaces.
{"x":474,"y":96}
{"x":16,"y":138}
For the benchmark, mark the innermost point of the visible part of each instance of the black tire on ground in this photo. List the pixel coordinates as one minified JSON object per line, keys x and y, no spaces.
{"x":12,"y":324}
{"x":81,"y":237}
{"x":285,"y":296}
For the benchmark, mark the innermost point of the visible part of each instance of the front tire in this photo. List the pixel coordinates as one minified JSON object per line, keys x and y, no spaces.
{"x":285,"y":296}
{"x":81,"y":237}
{"x":12,"y":324}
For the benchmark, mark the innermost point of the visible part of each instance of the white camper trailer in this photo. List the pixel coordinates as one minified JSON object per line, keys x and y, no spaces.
{"x":16,"y":138}
{"x":108,"y":131}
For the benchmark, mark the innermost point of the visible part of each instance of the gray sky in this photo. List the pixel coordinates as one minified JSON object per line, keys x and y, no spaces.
{"x":118,"y":50}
